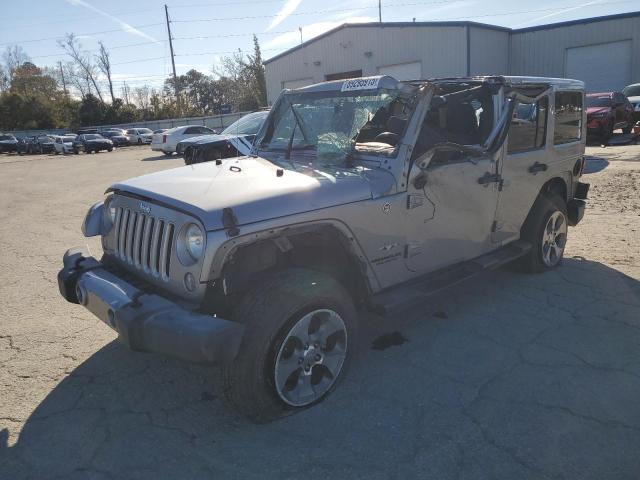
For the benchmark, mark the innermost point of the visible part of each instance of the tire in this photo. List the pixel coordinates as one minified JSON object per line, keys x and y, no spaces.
{"x":139,"y":141}
{"x":76,"y":151}
{"x":281,"y":302}
{"x":110,"y":149}
{"x":535,"y":231}
{"x":627,"y":129}
{"x":167,"y":154}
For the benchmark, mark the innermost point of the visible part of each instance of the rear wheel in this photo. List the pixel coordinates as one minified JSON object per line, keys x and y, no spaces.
{"x":627,"y":130}
{"x":546,"y":229}
{"x":299,"y":338}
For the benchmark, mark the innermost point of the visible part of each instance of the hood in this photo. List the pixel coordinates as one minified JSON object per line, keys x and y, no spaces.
{"x":594,"y":110}
{"x":635,"y":99}
{"x":9,"y":141}
{"x":251,"y":188}
{"x":204,"y":139}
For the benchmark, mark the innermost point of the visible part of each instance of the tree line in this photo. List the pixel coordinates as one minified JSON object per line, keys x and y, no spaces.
{"x":81,"y":91}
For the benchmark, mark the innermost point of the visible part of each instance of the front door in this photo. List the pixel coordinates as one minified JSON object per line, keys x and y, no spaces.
{"x":451,"y":207}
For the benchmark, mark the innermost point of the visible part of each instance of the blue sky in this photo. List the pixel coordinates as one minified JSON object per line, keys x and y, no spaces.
{"x":205,"y":30}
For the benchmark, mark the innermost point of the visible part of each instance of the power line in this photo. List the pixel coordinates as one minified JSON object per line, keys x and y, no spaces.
{"x":92,"y":51}
{"x":79,"y":34}
{"x":230,"y":35}
{"x":138,"y":60}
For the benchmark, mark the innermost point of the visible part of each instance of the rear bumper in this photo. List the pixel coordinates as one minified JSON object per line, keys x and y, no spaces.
{"x":146,"y":322}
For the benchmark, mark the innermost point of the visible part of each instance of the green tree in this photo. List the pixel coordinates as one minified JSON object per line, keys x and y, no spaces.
{"x":92,"y":111}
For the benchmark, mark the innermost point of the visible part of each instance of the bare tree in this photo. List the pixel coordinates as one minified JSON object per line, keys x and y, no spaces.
{"x":4,"y":80}
{"x":104,"y":64}
{"x":13,"y":56}
{"x":82,"y":60}
{"x":126,"y":92}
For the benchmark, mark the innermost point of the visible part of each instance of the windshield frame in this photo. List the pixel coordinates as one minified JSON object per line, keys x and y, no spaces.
{"x":232,"y":130}
{"x":371,"y":158}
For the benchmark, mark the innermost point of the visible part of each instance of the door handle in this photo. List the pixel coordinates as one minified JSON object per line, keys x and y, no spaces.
{"x":489,"y":178}
{"x":538,"y":167}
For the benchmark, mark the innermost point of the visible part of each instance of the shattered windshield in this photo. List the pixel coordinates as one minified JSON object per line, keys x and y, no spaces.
{"x":333,"y":126}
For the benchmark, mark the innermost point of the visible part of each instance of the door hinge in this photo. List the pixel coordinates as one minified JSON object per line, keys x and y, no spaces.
{"x":494,"y":226}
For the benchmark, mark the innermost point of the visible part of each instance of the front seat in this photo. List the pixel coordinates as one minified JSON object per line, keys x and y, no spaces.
{"x":462,"y":123}
{"x":395,"y":127}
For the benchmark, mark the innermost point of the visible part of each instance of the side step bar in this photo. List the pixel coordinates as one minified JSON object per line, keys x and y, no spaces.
{"x":413,"y":293}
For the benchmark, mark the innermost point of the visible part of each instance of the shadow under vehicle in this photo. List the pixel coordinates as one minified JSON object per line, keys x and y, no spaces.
{"x":518,"y":375}
{"x":366,"y":193}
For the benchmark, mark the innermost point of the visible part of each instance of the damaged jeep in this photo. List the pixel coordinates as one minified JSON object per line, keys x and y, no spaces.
{"x":358,"y":194}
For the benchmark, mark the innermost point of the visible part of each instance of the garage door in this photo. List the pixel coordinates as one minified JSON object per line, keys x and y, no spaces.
{"x":402,"y":71}
{"x":604,"y":68}
{"x":303,"y":82}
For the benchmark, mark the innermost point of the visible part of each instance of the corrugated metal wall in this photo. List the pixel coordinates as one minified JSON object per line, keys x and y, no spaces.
{"x":542,"y":52}
{"x":442,"y":50}
{"x":489,"y":51}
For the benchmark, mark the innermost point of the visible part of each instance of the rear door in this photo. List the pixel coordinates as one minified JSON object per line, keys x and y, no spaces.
{"x":523,"y":167}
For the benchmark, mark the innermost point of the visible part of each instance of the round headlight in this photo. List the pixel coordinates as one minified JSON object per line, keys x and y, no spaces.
{"x":194,"y":241}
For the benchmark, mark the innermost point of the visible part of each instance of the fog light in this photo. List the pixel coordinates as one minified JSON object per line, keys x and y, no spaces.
{"x":189,"y":282}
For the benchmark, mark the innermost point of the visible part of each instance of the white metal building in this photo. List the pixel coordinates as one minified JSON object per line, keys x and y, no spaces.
{"x":603,"y":51}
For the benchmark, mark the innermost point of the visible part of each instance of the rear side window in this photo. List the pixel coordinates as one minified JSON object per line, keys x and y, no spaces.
{"x":568,"y":115}
{"x":528,"y":129}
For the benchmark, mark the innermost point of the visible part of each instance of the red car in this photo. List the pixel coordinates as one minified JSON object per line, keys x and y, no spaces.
{"x":607,"y":112}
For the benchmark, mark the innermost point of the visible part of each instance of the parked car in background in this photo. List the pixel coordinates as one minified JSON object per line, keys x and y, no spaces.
{"x":44,"y":144}
{"x":8,"y":143}
{"x":607,"y":112}
{"x":25,"y":145}
{"x":64,"y":144}
{"x":91,"y":142}
{"x":118,"y":138}
{"x":166,"y":142}
{"x":139,"y":135}
{"x":632,"y":92}
{"x":160,"y":130}
{"x":235,"y":140}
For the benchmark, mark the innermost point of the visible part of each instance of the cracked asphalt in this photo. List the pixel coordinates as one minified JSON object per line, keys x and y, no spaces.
{"x":509,"y":376}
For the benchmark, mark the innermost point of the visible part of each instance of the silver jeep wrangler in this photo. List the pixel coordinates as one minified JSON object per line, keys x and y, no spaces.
{"x":366,"y":193}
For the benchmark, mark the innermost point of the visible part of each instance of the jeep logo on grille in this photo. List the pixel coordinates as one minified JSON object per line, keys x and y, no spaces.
{"x":145,"y":208}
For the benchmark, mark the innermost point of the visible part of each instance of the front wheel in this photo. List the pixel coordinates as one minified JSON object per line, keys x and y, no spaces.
{"x":299,"y":337}
{"x":546,"y":229}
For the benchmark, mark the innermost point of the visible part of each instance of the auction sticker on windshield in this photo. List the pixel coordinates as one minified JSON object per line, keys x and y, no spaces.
{"x":360,"y":84}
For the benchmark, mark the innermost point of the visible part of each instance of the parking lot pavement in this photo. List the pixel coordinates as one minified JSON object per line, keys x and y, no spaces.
{"x":509,"y":376}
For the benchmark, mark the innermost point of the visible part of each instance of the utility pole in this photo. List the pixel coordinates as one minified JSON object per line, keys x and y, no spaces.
{"x":173,"y":60}
{"x":64,"y":84}
{"x":380,"y":11}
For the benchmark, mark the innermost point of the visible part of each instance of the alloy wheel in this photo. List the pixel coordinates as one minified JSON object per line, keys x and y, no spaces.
{"x":311,"y":357}
{"x":554,"y":239}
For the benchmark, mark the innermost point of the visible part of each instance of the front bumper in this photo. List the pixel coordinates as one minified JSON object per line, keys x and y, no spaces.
{"x":146,"y":322}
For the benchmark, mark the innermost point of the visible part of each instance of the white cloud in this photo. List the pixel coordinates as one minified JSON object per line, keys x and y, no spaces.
{"x":309,"y":31}
{"x":554,"y":14}
{"x":287,"y":9}
{"x":124,"y":25}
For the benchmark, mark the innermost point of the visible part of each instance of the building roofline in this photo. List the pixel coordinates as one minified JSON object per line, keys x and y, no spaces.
{"x":453,"y":24}
{"x":387,"y":25}
{"x":581,"y":21}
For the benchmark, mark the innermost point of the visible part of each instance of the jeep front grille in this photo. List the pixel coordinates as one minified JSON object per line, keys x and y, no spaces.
{"x":144,"y":241}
